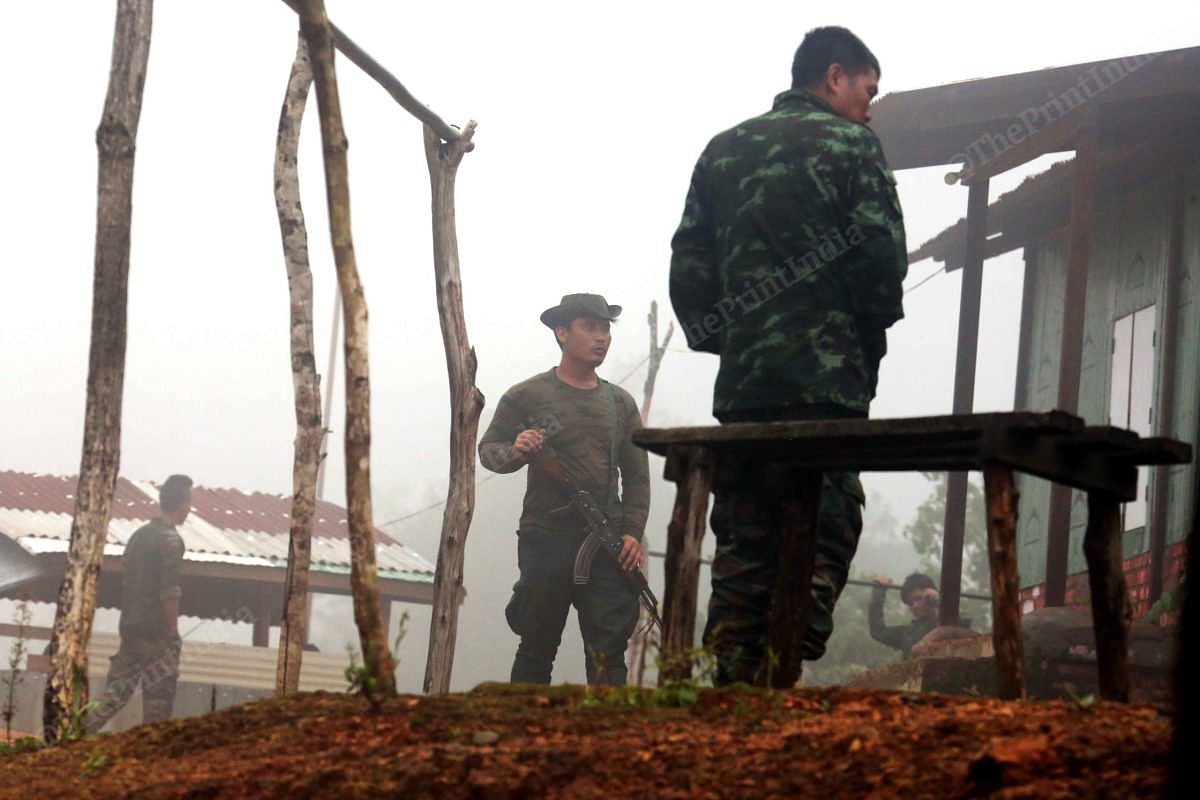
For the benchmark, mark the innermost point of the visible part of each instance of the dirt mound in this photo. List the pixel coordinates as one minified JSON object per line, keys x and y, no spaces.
{"x":501,"y":742}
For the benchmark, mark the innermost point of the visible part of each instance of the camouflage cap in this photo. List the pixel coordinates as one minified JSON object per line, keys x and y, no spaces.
{"x":579,"y":305}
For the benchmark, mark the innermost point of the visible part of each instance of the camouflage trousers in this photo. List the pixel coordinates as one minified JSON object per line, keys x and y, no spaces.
{"x":748,"y":520}
{"x":149,"y":663}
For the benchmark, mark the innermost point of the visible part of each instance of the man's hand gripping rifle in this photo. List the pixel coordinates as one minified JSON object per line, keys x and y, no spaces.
{"x":601,"y":534}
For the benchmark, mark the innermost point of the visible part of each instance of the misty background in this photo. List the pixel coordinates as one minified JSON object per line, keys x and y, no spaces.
{"x":590,"y":120}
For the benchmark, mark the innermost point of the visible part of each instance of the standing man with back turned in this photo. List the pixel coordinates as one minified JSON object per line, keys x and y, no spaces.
{"x":587,"y":421}
{"x":150,"y":593}
{"x":788,"y":264}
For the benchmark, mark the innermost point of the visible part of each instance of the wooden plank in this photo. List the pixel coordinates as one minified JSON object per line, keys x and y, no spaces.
{"x":934,"y":428}
{"x":1051,"y":445}
{"x":1047,"y":457}
{"x":685,"y":534}
{"x":1111,"y":611}
{"x":1002,"y":497}
{"x":788,"y":620}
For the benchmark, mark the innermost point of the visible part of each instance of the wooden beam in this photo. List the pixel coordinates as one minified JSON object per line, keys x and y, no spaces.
{"x":361,"y":59}
{"x":261,"y":637}
{"x":1164,"y":413}
{"x":964,"y":396}
{"x":689,"y":520}
{"x":1025,"y":337}
{"x":1079,"y":241}
{"x":1002,"y":498}
{"x":1051,"y":139}
{"x":1109,"y":595}
{"x":1185,"y":780}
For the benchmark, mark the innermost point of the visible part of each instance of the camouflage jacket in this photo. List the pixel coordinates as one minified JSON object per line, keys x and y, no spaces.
{"x":789,"y":258}
{"x":578,"y":426}
{"x":151,"y":566}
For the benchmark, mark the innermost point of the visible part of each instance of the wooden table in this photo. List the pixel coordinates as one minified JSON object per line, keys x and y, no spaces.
{"x":1059,"y":447}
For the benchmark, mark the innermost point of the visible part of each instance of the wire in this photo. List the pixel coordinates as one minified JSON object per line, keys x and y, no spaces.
{"x":484,"y":480}
{"x":629,"y":374}
{"x":939,"y":271}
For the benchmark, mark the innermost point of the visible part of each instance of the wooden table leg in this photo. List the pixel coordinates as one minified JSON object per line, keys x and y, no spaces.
{"x":1111,"y":610}
{"x":1002,"y":497}
{"x":788,"y":620}
{"x":693,"y":473}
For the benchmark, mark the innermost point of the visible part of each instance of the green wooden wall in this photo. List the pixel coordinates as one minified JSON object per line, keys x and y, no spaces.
{"x":1127,"y":273}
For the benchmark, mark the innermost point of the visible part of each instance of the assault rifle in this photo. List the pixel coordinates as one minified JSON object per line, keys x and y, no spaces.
{"x":602,"y":537}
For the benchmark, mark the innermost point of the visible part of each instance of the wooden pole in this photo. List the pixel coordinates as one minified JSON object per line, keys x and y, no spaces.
{"x":306,"y":383}
{"x":692,"y":470}
{"x":1025,"y":337}
{"x":788,"y":619}
{"x":657,"y":351}
{"x":361,"y":59}
{"x":116,"y":137}
{"x":364,"y":585}
{"x":1165,"y":412}
{"x":1079,"y":242}
{"x":1001,"y":494}
{"x":1111,"y":611}
{"x":466,"y":403}
{"x":642,"y":640}
{"x":966,"y":357}
{"x":1185,"y":781}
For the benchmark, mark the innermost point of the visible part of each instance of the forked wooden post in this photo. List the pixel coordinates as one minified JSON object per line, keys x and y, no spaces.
{"x":1110,"y":598}
{"x":1002,"y":498}
{"x":788,"y":622}
{"x":692,"y":470}
{"x":466,"y":403}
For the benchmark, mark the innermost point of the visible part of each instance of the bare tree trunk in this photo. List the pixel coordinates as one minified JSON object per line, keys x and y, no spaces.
{"x":364,"y":582}
{"x":66,"y":686}
{"x":466,"y":403}
{"x":306,"y":383}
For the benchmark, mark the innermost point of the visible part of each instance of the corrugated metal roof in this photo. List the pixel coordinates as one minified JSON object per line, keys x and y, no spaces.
{"x":932,"y":125}
{"x":225,"y":525}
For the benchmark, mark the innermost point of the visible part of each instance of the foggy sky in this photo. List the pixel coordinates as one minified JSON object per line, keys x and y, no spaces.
{"x":590,"y":119}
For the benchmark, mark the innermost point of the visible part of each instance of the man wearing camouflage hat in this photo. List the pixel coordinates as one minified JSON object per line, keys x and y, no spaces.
{"x":587,"y":422}
{"x":787,"y":264}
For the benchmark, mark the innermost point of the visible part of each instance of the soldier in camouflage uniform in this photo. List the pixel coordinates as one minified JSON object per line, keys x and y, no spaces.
{"x":788,"y":263}
{"x":150,"y":592}
{"x":587,"y":422}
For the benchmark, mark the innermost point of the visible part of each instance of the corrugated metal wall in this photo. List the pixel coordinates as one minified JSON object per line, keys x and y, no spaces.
{"x":1128,"y":272}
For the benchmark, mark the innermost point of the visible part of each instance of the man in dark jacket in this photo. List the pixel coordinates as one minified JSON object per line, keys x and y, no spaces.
{"x":150,"y":593}
{"x":788,"y":263}
{"x":919,"y":593}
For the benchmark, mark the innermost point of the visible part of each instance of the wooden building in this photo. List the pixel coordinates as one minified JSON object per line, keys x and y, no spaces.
{"x":1110,"y":329}
{"x":234,"y":571}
